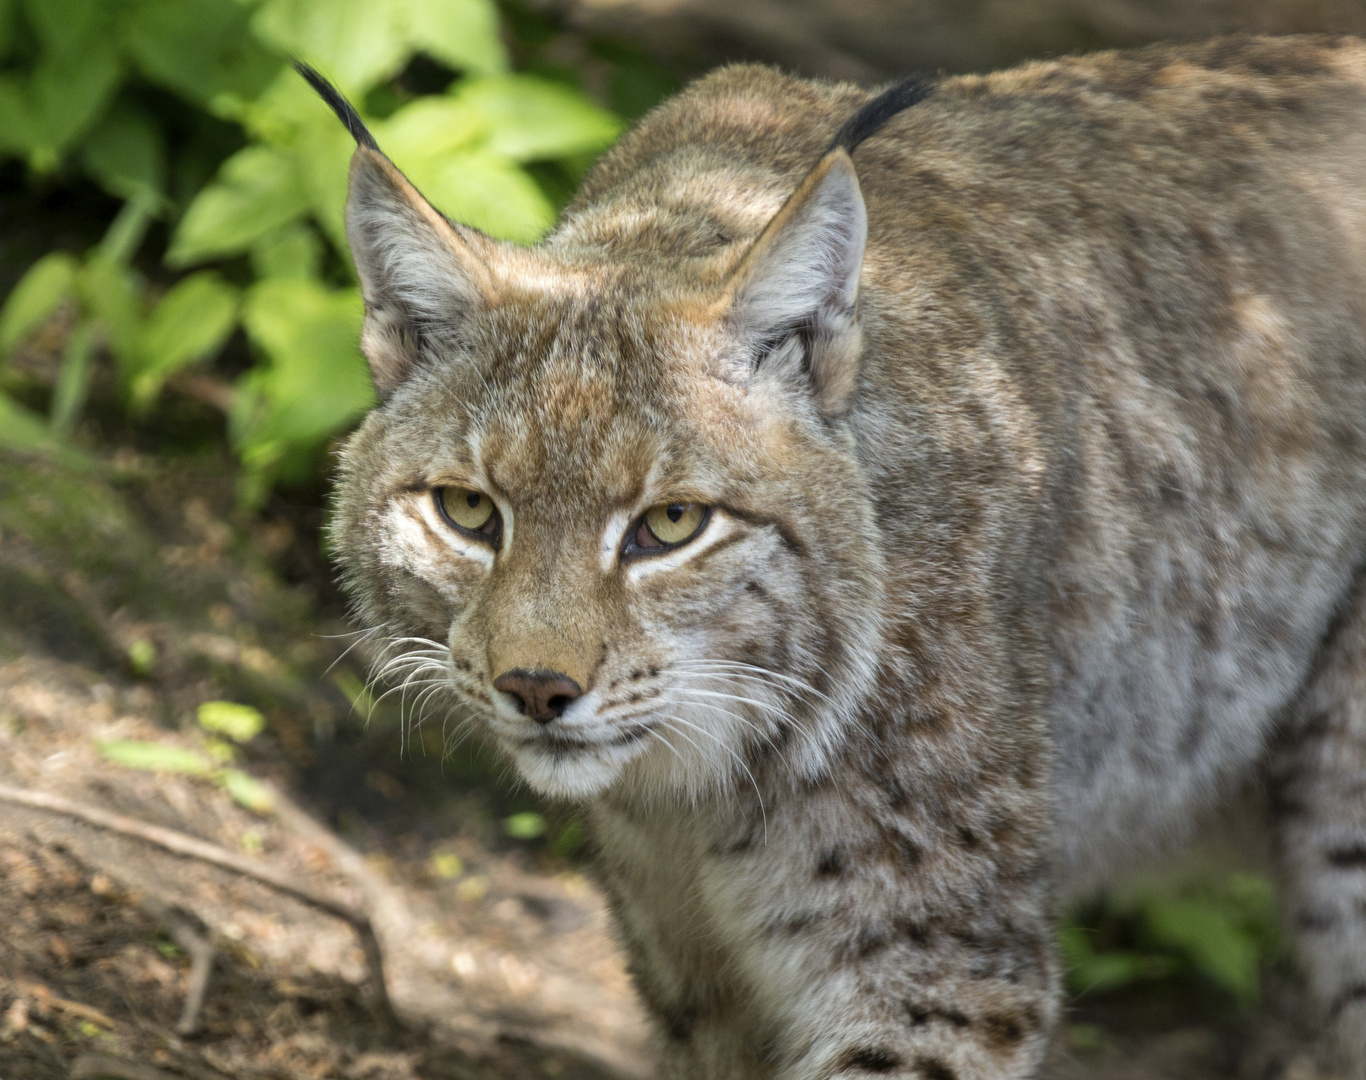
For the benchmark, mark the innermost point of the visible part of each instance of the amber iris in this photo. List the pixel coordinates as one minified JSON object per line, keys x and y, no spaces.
{"x":468,"y":510}
{"x":670,"y":524}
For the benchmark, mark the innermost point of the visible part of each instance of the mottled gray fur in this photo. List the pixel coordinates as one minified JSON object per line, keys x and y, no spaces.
{"x":1014,"y":568}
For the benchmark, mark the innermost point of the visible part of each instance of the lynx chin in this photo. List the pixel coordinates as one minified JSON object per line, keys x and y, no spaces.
{"x":891,"y":514}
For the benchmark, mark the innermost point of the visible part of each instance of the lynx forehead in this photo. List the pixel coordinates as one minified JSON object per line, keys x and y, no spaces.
{"x":891,"y":513}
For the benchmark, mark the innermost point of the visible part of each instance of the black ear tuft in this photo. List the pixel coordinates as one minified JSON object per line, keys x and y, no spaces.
{"x":882,"y":108}
{"x":339,"y":105}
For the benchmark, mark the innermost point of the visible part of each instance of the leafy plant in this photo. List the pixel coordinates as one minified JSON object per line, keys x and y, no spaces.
{"x":1219,"y":933}
{"x":264,"y":203}
{"x":239,"y":723}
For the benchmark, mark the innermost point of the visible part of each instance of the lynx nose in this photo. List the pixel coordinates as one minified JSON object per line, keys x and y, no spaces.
{"x":541,"y":695}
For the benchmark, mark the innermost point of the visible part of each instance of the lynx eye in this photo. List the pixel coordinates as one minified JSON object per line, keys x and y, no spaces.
{"x":468,"y":510}
{"x":669,"y":524}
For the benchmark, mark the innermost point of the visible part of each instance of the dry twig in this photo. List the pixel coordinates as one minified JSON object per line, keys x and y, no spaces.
{"x":191,"y":847}
{"x":181,"y":926}
{"x":44,"y":996}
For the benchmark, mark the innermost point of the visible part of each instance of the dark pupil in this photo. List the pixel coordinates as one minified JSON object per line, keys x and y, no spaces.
{"x":473,"y":499}
{"x":674,"y":512}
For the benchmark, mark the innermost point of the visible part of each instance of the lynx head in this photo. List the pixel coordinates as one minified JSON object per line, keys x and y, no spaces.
{"x":609,"y":501}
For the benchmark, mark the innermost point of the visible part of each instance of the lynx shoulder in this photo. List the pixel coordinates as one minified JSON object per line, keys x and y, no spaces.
{"x":884,"y":544}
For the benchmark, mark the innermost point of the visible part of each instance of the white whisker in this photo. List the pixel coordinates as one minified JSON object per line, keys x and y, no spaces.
{"x":737,"y":666}
{"x":738,"y":760}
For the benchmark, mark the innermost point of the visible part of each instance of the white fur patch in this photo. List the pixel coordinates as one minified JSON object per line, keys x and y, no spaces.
{"x":406,"y":545}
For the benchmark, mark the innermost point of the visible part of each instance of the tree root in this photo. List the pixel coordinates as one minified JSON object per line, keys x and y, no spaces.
{"x":190,"y":847}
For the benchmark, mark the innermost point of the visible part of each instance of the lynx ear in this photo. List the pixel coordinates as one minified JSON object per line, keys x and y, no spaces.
{"x":421,"y":276}
{"x":792,"y":297}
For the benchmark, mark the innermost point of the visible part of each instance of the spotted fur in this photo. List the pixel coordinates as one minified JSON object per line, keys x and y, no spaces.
{"x":1038,"y":512}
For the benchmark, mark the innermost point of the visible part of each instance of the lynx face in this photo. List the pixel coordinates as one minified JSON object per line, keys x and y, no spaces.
{"x":626,"y":514}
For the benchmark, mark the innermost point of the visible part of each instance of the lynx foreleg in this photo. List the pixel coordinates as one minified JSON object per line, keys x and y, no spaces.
{"x":986,"y":1016}
{"x":966,"y":996}
{"x":910,"y":941}
{"x":969,"y":1000}
{"x":1322,"y":838}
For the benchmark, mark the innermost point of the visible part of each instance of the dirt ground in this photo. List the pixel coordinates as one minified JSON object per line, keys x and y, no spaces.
{"x":131,"y":591}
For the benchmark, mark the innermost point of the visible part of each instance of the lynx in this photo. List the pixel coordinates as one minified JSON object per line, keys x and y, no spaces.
{"x":885,"y":528}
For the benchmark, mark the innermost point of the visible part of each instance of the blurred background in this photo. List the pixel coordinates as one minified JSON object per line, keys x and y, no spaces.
{"x":177,"y":364}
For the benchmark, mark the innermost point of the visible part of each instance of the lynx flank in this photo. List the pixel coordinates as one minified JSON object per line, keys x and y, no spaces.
{"x":884,"y":541}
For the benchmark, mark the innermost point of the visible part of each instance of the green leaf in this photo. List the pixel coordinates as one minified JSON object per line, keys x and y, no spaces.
{"x":525,"y":826}
{"x":153,"y":756}
{"x":294,"y":251}
{"x":257,"y":191}
{"x":65,"y":97}
{"x":142,"y":657}
{"x":125,"y":234}
{"x":16,"y":123}
{"x":359,"y":43}
{"x":323,"y":155}
{"x":26,"y":431}
{"x":355,"y":43}
{"x":1091,"y":972}
{"x":62,"y":25}
{"x":203,"y":49}
{"x":288,"y":106}
{"x":1214,"y":943}
{"x":446,"y":866}
{"x":127,"y":154}
{"x":463,"y":33}
{"x":73,"y":378}
{"x":33,"y":301}
{"x":113,"y":297}
{"x":247,"y":790}
{"x":190,"y":324}
{"x":240,"y":723}
{"x":222,"y":753}
{"x":486,"y":191}
{"x":530,"y":119}
{"x":431,"y":128}
{"x":44,"y":111}
{"x":316,"y":381}
{"x":8,"y":26}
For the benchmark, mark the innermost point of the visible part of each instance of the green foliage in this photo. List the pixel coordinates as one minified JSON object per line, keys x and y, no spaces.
{"x":527,"y":825}
{"x":21,"y":429}
{"x":153,"y":756}
{"x":362,"y":42}
{"x":79,"y":86}
{"x":257,"y":191}
{"x":164,"y":757}
{"x":446,"y":867}
{"x":312,"y":381}
{"x":1218,"y":933}
{"x":190,"y":323}
{"x":247,"y":790}
{"x":49,"y":281}
{"x":240,"y":723}
{"x":142,"y":657}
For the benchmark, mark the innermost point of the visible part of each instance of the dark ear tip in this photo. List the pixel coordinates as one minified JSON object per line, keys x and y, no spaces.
{"x":872,"y":116}
{"x":346,"y":113}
